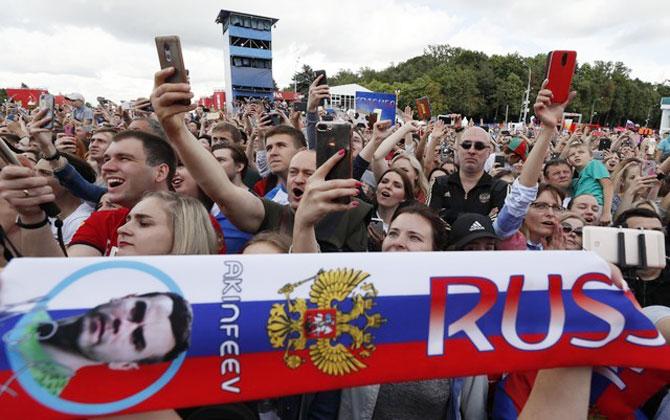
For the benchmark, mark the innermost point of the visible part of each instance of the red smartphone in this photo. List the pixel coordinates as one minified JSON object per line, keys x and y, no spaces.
{"x":559,"y":71}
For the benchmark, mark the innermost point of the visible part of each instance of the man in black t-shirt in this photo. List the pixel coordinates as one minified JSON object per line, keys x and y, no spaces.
{"x":470,"y":190}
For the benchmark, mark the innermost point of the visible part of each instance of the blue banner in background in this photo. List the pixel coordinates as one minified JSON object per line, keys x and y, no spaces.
{"x":370,"y":102}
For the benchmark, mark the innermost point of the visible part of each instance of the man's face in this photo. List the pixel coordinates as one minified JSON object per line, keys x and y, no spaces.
{"x":127,"y":174}
{"x":225,"y":159}
{"x":280,"y":149}
{"x":98,"y":145}
{"x":481,"y":244}
{"x":302,"y":166}
{"x":222,"y":136}
{"x":128,"y":330}
{"x":473,"y":150}
{"x":647,"y":223}
{"x":560,"y":176}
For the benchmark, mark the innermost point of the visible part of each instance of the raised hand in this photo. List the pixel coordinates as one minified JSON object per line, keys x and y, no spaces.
{"x":551,"y":115}
{"x":167,"y":100}
{"x":316,"y":94}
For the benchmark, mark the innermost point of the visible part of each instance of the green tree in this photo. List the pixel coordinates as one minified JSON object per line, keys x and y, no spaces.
{"x":303,"y":79}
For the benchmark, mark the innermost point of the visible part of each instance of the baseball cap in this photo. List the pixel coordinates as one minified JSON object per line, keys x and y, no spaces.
{"x":470,"y":226}
{"x":75,"y":96}
{"x":519,"y":147}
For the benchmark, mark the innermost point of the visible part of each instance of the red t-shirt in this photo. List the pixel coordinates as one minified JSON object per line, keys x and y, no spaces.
{"x":99,"y":231}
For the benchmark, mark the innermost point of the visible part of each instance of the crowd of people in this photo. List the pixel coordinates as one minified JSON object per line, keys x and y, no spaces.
{"x":161,"y":177}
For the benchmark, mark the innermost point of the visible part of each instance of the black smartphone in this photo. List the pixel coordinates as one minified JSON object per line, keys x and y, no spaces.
{"x":446,"y":119}
{"x":331,"y":137}
{"x":500,"y":160}
{"x":275,"y":118}
{"x":300,"y":106}
{"x":170,"y":55}
{"x":47,"y":102}
{"x":7,"y":157}
{"x":605,"y":143}
{"x":323,"y":81}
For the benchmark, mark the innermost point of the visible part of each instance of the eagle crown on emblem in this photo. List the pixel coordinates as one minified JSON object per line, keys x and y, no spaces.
{"x":321,"y":325}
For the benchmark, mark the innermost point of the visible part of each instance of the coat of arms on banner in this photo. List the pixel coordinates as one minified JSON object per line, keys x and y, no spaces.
{"x":334,"y":325}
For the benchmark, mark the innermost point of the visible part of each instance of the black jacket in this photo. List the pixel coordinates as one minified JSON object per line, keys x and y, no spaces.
{"x":448,"y":196}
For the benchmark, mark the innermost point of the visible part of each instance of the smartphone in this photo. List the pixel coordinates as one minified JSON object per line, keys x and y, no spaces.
{"x":275,"y":118}
{"x":446,"y":119}
{"x":69,"y":130}
{"x":331,"y":137}
{"x":423,"y":108}
{"x":7,"y":157}
{"x":323,"y":81}
{"x":170,"y":55}
{"x":499,"y":160}
{"x":626,"y":247}
{"x":559,"y":70}
{"x":300,"y":106}
{"x":605,"y":144}
{"x":598,"y":155}
{"x":47,"y":102}
{"x":372,"y":119}
{"x":649,"y":168}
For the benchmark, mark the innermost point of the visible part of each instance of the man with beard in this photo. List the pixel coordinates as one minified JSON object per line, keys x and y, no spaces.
{"x":123,"y":333}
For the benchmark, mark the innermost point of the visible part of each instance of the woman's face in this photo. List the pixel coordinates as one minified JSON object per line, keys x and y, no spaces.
{"x":183,"y":182}
{"x":587,"y":207}
{"x":403,"y":165}
{"x":409,"y":233}
{"x":356,"y":144}
{"x":572,"y":229}
{"x":147,"y":231}
{"x":542,"y":215}
{"x":390,"y":190}
{"x":612,"y":162}
{"x":436,"y":174}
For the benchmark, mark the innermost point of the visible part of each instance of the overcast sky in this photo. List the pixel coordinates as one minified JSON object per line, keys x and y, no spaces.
{"x":107,"y":48}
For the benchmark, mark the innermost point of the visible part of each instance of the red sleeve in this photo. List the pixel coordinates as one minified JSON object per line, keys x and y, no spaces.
{"x":219,"y":235}
{"x":99,"y":230}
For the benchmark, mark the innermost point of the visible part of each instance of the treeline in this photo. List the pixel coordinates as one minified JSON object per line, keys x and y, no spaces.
{"x":481,"y":86}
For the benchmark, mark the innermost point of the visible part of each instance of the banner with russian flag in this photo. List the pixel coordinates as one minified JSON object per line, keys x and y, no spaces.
{"x":93,"y":336}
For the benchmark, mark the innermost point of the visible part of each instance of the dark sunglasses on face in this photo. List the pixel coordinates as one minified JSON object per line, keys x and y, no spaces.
{"x":467,"y":145}
{"x":568,"y":229}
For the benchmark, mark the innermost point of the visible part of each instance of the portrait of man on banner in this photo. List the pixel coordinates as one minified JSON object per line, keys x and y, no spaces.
{"x":123,"y":334}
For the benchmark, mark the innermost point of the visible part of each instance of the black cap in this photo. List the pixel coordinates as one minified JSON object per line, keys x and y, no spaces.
{"x":470,"y":226}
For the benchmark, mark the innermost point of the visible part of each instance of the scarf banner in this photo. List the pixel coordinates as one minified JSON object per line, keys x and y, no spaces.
{"x":92,"y":336}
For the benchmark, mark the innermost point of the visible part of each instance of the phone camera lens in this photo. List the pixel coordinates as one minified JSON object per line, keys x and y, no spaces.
{"x":564,"y":59}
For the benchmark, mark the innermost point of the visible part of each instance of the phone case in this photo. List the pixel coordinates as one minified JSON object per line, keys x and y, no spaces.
{"x":604,"y":241}
{"x":331,"y":137}
{"x":423,"y":108}
{"x":169,"y":55}
{"x":560,"y":68}
{"x":47,"y":102}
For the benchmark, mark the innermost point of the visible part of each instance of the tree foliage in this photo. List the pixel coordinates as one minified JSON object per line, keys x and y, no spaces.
{"x":481,"y":86}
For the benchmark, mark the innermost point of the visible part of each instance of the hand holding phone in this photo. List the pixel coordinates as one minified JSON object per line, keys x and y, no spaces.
{"x":7,"y":157}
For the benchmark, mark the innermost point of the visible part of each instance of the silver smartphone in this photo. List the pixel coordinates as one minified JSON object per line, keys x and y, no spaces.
{"x":626,"y":247}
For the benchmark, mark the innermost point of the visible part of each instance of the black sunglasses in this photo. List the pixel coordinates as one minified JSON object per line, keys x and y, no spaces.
{"x":567,"y":229}
{"x":467,"y":145}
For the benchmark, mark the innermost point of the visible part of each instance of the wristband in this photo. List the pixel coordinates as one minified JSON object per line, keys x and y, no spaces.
{"x":459,"y":129}
{"x":52,"y":157}
{"x":30,"y":226}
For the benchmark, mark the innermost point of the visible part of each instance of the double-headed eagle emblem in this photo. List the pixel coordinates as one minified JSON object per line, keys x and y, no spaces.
{"x":334,"y":326}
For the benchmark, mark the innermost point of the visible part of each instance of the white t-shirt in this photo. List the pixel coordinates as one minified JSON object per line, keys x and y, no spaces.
{"x":72,"y":222}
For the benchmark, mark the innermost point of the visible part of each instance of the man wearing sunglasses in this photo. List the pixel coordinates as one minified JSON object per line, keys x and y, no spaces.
{"x":470,"y":189}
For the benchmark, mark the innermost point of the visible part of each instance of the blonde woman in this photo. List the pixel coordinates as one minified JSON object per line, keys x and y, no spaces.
{"x":167,"y":223}
{"x":631,"y":186}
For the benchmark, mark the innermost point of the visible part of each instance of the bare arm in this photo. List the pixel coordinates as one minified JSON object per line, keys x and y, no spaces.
{"x":608,"y":192}
{"x":561,"y":393}
{"x":244,"y":209}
